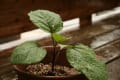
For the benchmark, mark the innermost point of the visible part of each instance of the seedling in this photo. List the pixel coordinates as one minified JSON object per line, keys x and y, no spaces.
{"x":80,"y":57}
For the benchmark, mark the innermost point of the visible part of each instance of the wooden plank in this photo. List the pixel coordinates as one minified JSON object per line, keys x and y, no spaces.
{"x":14,"y":28}
{"x":109,"y":52}
{"x":15,"y":11}
{"x":10,"y":38}
{"x":85,"y":21}
{"x":114,"y":70}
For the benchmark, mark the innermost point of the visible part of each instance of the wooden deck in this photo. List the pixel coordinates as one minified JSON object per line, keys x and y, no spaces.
{"x":14,"y":19}
{"x":103,"y":36}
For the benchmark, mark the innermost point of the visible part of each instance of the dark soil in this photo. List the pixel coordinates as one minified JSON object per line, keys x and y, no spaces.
{"x":45,"y":70}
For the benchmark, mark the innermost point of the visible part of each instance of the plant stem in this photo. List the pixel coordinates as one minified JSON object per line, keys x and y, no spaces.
{"x":54,"y":53}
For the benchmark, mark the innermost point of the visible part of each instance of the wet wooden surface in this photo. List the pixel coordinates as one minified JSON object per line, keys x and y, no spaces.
{"x":103,"y":36}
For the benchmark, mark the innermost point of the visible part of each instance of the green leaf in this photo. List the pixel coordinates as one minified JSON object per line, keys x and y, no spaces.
{"x":46,"y":20}
{"x":27,"y":53}
{"x":62,"y":46}
{"x":83,"y":59}
{"x":59,"y":38}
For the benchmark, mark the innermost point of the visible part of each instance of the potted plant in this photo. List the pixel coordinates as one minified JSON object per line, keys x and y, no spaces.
{"x":57,"y":62}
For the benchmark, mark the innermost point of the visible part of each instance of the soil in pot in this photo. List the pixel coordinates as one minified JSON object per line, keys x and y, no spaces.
{"x":45,"y":70}
{"x":42,"y":72}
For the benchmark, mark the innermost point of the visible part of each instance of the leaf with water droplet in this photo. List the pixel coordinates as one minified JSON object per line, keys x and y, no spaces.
{"x":59,"y":38}
{"x":84,"y":60}
{"x":28,"y":53}
{"x":46,"y":20}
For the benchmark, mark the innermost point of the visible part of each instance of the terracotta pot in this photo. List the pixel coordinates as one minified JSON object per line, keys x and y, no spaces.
{"x":61,"y":60}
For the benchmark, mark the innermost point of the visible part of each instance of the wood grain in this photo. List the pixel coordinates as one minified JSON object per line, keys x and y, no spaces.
{"x":14,"y":19}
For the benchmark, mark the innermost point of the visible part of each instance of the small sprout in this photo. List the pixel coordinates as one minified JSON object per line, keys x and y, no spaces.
{"x":81,"y":57}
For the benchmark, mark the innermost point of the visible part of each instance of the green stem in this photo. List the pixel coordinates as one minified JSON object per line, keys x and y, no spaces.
{"x":54,"y":53}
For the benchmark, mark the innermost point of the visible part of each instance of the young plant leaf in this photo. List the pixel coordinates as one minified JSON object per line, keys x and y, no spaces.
{"x":83,"y":59}
{"x":62,"y":46}
{"x":27,"y":53}
{"x":59,"y":38}
{"x":46,"y":20}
